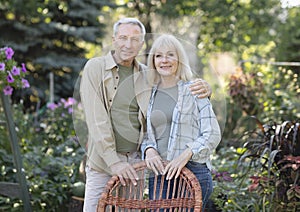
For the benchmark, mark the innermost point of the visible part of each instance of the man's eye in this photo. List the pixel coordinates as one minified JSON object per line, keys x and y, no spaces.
{"x":123,"y":38}
{"x":135,"y":39}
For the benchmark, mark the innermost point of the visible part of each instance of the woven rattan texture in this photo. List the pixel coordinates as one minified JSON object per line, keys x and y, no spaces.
{"x":183,"y":194}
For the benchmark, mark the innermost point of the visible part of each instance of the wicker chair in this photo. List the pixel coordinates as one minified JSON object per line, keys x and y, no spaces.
{"x":184,"y":195}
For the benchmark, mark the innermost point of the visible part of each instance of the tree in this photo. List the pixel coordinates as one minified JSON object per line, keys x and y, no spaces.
{"x":51,"y":36}
{"x":235,"y":26}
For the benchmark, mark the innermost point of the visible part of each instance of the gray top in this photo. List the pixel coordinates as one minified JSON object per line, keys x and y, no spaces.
{"x":161,"y":117}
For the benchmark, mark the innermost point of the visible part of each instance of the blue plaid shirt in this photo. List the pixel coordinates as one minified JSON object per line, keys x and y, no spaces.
{"x":194,"y":125}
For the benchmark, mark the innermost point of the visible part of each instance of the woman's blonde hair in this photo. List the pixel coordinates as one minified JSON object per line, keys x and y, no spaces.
{"x":183,"y":71}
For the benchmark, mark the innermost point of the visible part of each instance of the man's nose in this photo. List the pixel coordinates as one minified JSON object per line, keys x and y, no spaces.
{"x":128,"y":43}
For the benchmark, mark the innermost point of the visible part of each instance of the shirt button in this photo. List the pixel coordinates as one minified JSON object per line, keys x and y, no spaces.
{"x":117,"y":77}
{"x":110,"y":100}
{"x":115,"y":88}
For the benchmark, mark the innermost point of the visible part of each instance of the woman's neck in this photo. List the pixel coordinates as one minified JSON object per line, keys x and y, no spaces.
{"x":167,"y":82}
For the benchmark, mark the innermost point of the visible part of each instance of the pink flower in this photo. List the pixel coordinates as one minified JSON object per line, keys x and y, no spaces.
{"x":2,"y":66}
{"x":25,"y":83}
{"x":15,"y":71}
{"x":51,"y":106}
{"x":69,"y":102}
{"x":23,"y":67}
{"x":8,"y":90}
{"x":9,"y":53}
{"x":70,"y":110}
{"x":10,"y":78}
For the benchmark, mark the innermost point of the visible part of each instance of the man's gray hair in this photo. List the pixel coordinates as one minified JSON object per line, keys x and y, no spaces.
{"x":129,"y":21}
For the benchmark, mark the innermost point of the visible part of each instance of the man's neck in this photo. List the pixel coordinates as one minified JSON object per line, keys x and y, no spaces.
{"x":126,"y":63}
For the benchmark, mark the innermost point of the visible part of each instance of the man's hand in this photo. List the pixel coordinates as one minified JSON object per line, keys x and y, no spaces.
{"x":175,"y":166}
{"x":124,"y":171}
{"x":154,"y":161}
{"x":201,"y":88}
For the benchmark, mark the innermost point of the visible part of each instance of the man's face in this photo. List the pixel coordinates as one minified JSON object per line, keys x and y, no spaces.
{"x":127,"y":42}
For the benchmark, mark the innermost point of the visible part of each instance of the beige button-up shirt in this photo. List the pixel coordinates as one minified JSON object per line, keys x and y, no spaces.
{"x":98,"y":87}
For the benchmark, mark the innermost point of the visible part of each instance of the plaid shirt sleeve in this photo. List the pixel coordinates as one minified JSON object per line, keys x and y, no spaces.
{"x":209,"y":134}
{"x":149,"y":137}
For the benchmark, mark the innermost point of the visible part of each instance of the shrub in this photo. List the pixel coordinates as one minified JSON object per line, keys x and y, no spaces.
{"x":51,"y":156}
{"x":273,"y":153}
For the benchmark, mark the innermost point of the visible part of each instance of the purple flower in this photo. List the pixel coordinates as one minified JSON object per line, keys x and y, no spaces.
{"x":23,"y":67}
{"x":25,"y":83}
{"x":71,"y":101}
{"x":70,"y":110}
{"x":63,"y":101}
{"x":2,"y":66}
{"x":15,"y":71}
{"x":9,"y":53}
{"x":10,"y":78}
{"x":51,"y":106}
{"x":8,"y":90}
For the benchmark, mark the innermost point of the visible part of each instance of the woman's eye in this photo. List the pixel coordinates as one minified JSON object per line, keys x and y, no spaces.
{"x":158,"y":56}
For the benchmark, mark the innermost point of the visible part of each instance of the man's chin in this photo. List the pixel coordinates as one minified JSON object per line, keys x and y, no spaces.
{"x":127,"y":58}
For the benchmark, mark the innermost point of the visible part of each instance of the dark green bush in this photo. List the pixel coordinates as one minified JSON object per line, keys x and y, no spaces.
{"x":51,"y":156}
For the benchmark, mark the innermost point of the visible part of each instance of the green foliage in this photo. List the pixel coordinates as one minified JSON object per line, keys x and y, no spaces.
{"x":268,"y":92}
{"x":52,"y":37}
{"x":51,"y":156}
{"x":236,"y":25}
{"x":231,"y":184}
{"x":289,"y":37}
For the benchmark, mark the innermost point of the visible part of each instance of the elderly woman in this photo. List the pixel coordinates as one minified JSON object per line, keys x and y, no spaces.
{"x":181,"y":128}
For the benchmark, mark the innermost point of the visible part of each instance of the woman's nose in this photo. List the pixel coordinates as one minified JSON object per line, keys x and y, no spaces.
{"x":164,"y":58}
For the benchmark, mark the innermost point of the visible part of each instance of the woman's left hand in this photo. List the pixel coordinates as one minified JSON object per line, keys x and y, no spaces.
{"x":175,"y":166}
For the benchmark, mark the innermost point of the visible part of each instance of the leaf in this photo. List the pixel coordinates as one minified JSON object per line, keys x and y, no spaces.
{"x":290,"y":193}
{"x":272,"y":156}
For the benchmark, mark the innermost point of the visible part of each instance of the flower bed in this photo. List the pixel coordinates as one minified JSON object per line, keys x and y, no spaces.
{"x":11,"y":75}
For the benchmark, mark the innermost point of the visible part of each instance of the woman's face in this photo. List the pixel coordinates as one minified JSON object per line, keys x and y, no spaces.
{"x":166,"y":61}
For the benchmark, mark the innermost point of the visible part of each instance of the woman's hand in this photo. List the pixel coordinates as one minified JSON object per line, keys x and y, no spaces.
{"x":201,"y":88}
{"x":154,"y":161}
{"x":175,"y":166}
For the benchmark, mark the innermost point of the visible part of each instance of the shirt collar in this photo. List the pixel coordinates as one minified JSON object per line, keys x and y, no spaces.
{"x":111,"y":63}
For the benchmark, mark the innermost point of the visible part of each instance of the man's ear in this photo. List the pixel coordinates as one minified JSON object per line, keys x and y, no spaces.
{"x":142,"y":43}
